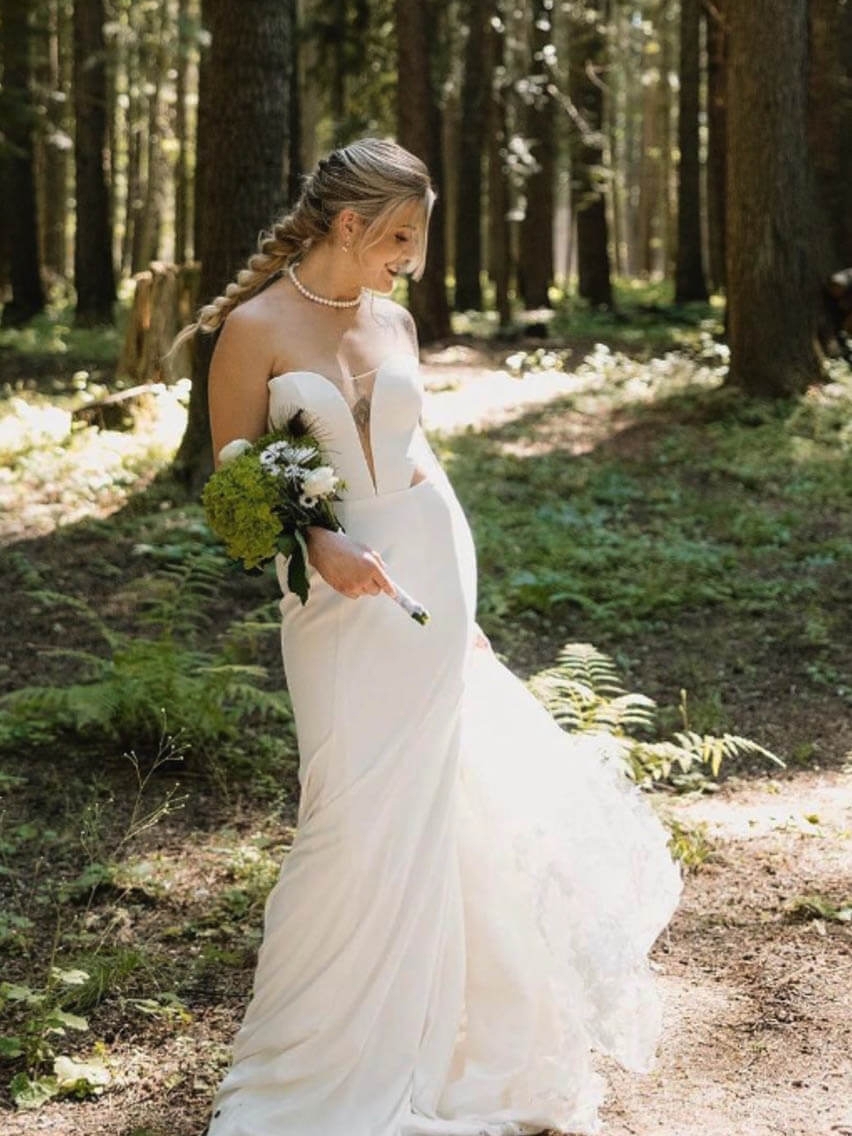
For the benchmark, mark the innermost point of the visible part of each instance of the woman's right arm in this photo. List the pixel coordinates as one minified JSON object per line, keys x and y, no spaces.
{"x":238,"y":398}
{"x":237,"y":392}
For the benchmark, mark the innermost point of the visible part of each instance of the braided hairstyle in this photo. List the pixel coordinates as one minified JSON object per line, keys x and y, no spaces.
{"x":373,"y":176}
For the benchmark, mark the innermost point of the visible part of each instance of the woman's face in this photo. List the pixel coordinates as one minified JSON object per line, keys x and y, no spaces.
{"x":397,"y":251}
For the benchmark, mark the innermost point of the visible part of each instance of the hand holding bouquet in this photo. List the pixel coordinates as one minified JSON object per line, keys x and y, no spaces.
{"x":265,"y":496}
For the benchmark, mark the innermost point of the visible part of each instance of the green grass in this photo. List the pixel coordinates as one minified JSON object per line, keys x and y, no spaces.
{"x":697,"y":518}
{"x":645,"y":318}
{"x":53,"y":332}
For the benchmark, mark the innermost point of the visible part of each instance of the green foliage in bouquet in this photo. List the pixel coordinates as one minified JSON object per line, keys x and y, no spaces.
{"x":267,"y":493}
{"x":239,"y":501}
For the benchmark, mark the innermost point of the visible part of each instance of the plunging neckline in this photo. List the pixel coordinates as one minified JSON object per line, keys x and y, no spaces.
{"x":369,"y":461}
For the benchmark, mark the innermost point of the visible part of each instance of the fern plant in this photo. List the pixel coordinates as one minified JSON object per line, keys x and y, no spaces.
{"x":584,"y":693}
{"x":122,"y":696}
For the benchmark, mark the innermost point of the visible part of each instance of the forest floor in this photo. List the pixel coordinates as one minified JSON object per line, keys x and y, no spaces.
{"x":755,"y":969}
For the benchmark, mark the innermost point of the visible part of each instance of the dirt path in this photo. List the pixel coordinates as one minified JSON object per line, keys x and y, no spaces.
{"x":758,"y":1002}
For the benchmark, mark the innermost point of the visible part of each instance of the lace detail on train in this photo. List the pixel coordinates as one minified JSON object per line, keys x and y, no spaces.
{"x":370,"y":441}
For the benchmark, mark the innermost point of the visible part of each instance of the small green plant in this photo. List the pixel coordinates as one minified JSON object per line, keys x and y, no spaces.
{"x":42,"y":1025}
{"x":583,"y":692}
{"x":804,"y":907}
{"x":689,"y":843}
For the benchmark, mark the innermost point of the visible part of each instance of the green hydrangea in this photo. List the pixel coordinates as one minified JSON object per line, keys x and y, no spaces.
{"x":239,"y":500}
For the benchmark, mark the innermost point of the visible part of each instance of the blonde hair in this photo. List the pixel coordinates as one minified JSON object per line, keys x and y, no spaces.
{"x":373,"y":176}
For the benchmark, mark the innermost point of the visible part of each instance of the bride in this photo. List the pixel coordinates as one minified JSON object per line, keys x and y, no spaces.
{"x":465,"y":914}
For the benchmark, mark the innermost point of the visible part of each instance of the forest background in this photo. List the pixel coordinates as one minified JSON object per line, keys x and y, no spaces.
{"x":635,"y":325}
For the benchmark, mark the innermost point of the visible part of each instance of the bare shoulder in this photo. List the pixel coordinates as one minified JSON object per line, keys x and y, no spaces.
{"x":251,"y":334}
{"x":404,"y":320}
{"x":267,"y":312}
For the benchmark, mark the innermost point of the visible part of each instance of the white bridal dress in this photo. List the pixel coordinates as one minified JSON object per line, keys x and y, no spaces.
{"x":468,"y":904}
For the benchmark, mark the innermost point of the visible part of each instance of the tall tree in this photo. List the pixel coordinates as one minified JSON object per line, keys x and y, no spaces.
{"x":242,"y":134}
{"x":499,"y":252}
{"x":689,"y":266}
{"x":56,"y":144}
{"x":476,"y":84}
{"x":182,"y":174}
{"x":419,"y":130}
{"x":654,"y":144}
{"x":622,"y":142}
{"x":717,"y":41}
{"x":158,"y":59}
{"x":830,"y":127}
{"x":94,"y":278}
{"x":773,"y":293}
{"x":294,"y":166}
{"x":19,"y":195}
{"x":588,"y":187}
{"x":535,"y":257}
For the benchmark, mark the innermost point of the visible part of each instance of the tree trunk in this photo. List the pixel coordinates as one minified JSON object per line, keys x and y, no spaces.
{"x":295,"y":167}
{"x":181,"y":175}
{"x":93,"y":269}
{"x":830,"y":128}
{"x":616,"y":126}
{"x":115,"y":135}
{"x":337,"y":28}
{"x":163,"y":301}
{"x":242,"y":131}
{"x":689,"y":267}
{"x":158,"y":57}
{"x":55,"y":216}
{"x":475,"y":87}
{"x":450,"y":121}
{"x":667,"y":29}
{"x":773,"y":293}
{"x":717,"y":38}
{"x":19,"y":197}
{"x":588,"y":204}
{"x":535,"y":261}
{"x":620,"y":125}
{"x":311,"y":94}
{"x":134,"y":65}
{"x":650,"y":184}
{"x":419,"y":130}
{"x":499,"y":255}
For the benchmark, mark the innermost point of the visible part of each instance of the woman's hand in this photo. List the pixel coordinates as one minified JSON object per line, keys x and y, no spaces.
{"x":350,"y":567}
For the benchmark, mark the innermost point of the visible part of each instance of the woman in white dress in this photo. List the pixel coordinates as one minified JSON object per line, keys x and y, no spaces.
{"x":467,"y":907}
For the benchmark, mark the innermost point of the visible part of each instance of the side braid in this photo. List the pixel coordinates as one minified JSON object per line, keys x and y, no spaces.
{"x":287,"y":239}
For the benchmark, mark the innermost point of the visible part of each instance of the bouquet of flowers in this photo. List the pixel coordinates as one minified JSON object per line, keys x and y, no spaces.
{"x":266,"y":494}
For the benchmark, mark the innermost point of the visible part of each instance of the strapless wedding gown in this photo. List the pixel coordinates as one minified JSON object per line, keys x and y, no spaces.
{"x":467,"y":907}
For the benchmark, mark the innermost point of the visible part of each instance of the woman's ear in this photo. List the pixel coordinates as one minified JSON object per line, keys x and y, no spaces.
{"x":348,"y":225}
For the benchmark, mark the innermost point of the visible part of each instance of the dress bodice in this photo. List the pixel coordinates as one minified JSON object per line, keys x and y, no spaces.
{"x":395,"y":405}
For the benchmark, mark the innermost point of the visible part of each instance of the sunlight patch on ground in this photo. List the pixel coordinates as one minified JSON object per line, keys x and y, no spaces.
{"x":811,"y":805}
{"x":57,"y":473}
{"x":483,"y":398}
{"x":463,"y":397}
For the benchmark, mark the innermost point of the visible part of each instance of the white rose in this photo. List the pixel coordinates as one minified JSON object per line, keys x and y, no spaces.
{"x":233,"y":450}
{"x":320,"y":482}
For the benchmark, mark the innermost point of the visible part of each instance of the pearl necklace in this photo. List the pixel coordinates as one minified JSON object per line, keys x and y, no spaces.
{"x":291,"y":272}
